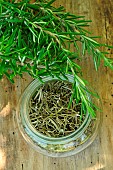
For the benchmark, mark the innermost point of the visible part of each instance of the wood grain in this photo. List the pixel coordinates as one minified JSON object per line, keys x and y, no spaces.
{"x":15,"y":154}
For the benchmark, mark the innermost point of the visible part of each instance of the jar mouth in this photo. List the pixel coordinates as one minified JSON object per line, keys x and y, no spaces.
{"x":25,"y":98}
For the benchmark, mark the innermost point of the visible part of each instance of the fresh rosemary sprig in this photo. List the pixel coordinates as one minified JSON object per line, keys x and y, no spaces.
{"x":38,"y":39}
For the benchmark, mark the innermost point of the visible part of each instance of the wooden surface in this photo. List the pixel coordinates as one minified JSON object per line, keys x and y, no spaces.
{"x":15,"y":154}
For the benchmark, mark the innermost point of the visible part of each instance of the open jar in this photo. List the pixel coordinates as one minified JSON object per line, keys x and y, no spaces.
{"x":51,"y":146}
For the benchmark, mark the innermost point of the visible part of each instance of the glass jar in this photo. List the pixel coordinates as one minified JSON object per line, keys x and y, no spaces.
{"x":50,"y":146}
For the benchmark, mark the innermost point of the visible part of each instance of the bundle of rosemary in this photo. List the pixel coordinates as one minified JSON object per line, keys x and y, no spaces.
{"x":38,"y":39}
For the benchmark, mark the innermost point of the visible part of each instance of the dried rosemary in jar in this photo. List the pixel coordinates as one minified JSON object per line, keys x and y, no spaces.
{"x":49,"y":113}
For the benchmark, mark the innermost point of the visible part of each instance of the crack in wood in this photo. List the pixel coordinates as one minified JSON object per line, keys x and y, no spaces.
{"x":22,"y":166}
{"x":106,"y":33}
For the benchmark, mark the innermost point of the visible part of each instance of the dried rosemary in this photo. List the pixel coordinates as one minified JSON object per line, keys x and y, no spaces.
{"x":49,"y":113}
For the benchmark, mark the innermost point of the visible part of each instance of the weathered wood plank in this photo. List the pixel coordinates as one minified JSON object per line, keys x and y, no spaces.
{"x":15,"y":154}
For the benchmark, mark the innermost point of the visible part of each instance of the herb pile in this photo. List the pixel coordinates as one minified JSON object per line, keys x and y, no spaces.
{"x":49,"y":113}
{"x":37,"y":38}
